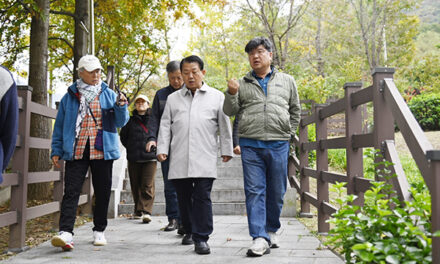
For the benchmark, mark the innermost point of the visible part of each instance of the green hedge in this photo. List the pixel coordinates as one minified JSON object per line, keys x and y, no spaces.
{"x":426,"y":109}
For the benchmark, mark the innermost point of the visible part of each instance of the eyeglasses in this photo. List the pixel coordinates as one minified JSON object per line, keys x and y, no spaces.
{"x":257,"y":52}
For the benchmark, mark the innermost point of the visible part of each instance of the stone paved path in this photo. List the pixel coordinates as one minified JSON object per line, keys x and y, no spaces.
{"x":129,"y":241}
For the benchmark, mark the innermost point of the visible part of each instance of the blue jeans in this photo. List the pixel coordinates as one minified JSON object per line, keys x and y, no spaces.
{"x":265,"y":183}
{"x":171,"y":204}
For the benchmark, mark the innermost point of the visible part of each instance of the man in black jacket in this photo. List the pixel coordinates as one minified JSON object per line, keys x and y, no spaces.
{"x":175,"y":83}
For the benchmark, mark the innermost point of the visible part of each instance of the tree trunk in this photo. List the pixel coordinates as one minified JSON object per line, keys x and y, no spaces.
{"x":320,"y":61}
{"x":80,"y":38}
{"x":40,"y":126}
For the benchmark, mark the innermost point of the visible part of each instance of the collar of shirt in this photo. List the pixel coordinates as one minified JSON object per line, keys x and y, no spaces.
{"x":187,"y":91}
{"x":263,"y":81}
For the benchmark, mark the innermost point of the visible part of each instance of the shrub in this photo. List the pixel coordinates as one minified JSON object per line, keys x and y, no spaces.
{"x":384,"y":230}
{"x":426,"y":110}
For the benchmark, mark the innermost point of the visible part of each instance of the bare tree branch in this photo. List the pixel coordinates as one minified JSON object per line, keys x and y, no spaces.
{"x":62,"y":39}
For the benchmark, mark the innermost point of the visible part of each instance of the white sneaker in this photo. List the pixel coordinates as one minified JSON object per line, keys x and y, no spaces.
{"x":146,"y":218}
{"x":259,"y":248}
{"x":63,"y":240}
{"x":99,"y":238}
{"x":273,"y":240}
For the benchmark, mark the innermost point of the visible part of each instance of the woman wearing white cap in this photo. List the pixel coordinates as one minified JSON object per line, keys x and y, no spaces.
{"x":141,"y":164}
{"x":85,"y":136}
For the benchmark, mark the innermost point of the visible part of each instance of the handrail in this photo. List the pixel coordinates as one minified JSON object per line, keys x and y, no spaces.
{"x":20,"y":177}
{"x":413,"y":134}
{"x":389,"y":107}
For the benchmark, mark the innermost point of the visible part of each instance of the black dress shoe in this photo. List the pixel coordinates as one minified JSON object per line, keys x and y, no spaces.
{"x":187,"y":240}
{"x":202,"y":248}
{"x":180,"y":229}
{"x":172,"y":225}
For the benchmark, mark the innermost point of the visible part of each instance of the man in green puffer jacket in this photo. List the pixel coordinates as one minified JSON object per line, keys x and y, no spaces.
{"x":268,"y":104}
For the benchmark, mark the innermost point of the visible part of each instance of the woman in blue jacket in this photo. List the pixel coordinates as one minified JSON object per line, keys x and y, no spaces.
{"x":85,"y":136}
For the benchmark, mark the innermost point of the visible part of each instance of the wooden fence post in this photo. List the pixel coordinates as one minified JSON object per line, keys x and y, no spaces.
{"x":353,"y":126}
{"x":383,"y":118}
{"x":434,"y":157}
{"x":20,"y":163}
{"x":303,"y":162}
{"x":321,"y":165}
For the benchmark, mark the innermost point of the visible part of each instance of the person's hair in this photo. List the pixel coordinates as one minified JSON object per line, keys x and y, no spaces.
{"x":172,"y":66}
{"x":191,"y":59}
{"x":255,"y":42}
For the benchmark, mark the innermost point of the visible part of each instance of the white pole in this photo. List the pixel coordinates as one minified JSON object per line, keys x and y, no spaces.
{"x":92,"y":28}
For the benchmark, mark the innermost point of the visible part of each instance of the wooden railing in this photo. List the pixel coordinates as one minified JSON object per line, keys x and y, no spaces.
{"x":389,"y":109}
{"x":19,"y":213}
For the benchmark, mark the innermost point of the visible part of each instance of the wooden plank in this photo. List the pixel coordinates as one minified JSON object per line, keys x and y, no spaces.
{"x":307,"y":146}
{"x":296,"y":141}
{"x":309,"y":172}
{"x":8,"y":218}
{"x":39,"y":143}
{"x":332,"y":109}
{"x":362,"y":96}
{"x":43,"y":110}
{"x":362,"y":184}
{"x":399,"y":182}
{"x":41,"y":210}
{"x":328,"y":208}
{"x":331,"y":177}
{"x":9,"y":179}
{"x":307,"y":120}
{"x":333,"y":143}
{"x":294,"y":183}
{"x":311,"y":199}
{"x":43,"y":176}
{"x":363,"y":141}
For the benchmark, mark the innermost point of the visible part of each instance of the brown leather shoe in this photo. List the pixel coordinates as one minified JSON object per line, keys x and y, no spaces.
{"x":172,"y":225}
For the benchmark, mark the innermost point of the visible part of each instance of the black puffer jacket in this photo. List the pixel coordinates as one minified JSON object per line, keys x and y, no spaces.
{"x":134,"y":138}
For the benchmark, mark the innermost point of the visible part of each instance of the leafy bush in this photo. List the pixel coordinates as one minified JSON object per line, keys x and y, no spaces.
{"x":426,"y":109}
{"x":384,"y":230}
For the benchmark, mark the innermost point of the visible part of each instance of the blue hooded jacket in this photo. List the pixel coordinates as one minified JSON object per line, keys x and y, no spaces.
{"x":113,"y":116}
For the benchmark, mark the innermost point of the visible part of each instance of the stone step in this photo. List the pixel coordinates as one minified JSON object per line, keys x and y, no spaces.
{"x":219,"y":184}
{"x":217,"y":196}
{"x":218,"y":209}
{"x":231,"y":208}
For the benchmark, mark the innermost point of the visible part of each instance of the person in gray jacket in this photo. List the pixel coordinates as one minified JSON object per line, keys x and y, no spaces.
{"x":268,"y":105}
{"x":188,"y":133}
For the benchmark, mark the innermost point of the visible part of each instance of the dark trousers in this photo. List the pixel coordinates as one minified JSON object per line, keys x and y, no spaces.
{"x":75,"y":172}
{"x":142,"y":185}
{"x":171,"y":204}
{"x":194,"y":195}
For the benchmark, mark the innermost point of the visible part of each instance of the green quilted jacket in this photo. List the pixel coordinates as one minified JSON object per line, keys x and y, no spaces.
{"x":272,"y":117}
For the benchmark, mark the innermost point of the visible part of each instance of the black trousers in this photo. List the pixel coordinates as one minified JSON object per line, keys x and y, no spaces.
{"x":195,"y":206}
{"x":75,"y":173}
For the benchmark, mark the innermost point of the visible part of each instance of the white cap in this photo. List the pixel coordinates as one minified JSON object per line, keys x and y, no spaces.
{"x":143,"y":97}
{"x":89,"y":63}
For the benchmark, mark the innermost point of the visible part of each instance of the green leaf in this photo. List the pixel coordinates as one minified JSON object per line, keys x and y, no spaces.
{"x":366,"y":256}
{"x":393,"y":259}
